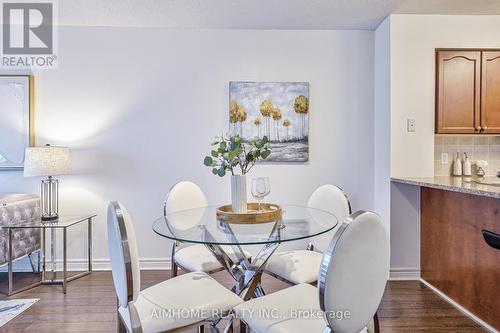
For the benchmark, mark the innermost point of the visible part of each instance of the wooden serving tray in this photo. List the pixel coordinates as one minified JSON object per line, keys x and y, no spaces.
{"x":268,"y":213}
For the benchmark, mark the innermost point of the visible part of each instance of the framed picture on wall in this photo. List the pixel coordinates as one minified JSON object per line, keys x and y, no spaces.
{"x":278,"y":110}
{"x":16,"y":119}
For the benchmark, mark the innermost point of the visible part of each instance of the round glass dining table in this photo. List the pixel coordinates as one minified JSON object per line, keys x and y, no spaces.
{"x":202,"y":226}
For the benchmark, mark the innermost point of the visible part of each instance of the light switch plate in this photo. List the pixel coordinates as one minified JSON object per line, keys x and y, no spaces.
{"x":444,"y":158}
{"x":410,"y":125}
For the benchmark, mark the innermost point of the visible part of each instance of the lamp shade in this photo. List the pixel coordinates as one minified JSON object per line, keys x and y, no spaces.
{"x":47,"y":161}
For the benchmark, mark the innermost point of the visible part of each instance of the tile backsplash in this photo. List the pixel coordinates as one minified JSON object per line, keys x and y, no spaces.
{"x":477,"y":148}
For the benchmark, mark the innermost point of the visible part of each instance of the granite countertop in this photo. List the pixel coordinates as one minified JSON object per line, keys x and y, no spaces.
{"x":456,"y":184}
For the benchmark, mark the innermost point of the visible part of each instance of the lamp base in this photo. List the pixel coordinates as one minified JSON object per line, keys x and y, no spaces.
{"x":49,"y":196}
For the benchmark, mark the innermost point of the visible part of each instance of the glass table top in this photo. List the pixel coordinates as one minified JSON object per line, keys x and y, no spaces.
{"x":63,"y":221}
{"x":200,"y":225}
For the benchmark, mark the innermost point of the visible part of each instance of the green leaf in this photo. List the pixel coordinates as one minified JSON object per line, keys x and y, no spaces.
{"x":238,"y":151}
{"x":223,"y":145}
{"x":234,"y":154}
{"x":234,"y":145}
{"x":265,"y":139}
{"x":221,"y":172}
{"x":259,"y":144}
{"x":214,"y":153}
{"x":265,"y":154}
{"x":214,"y":171}
{"x":208,"y":161}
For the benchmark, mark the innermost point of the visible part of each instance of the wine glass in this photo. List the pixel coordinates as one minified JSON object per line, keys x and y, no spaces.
{"x":260,"y":188}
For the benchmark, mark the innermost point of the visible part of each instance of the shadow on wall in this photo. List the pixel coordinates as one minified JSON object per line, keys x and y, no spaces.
{"x":405,"y":227}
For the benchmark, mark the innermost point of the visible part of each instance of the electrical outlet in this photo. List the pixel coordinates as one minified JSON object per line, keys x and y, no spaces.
{"x":410,"y":125}
{"x":444,"y":158}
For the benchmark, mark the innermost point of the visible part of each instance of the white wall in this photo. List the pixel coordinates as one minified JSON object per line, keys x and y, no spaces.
{"x":414,"y":39}
{"x":139,"y":108}
{"x":382,"y":119}
{"x":405,"y":231}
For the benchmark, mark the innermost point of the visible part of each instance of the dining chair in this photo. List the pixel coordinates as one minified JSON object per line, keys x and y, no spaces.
{"x":351,"y":283}
{"x":302,"y":266}
{"x":193,"y":258}
{"x":161,"y":307}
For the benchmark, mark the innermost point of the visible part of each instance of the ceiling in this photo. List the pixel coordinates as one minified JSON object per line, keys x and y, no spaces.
{"x":258,"y":14}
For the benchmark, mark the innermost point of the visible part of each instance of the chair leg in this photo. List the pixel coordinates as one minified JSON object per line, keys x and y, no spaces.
{"x":213,"y":328}
{"x":230,"y":328}
{"x":31,"y":262}
{"x":174,"y":268}
{"x":39,"y":259}
{"x":173,"y":264}
{"x":121,"y":326}
{"x":376,"y":324}
{"x":243,"y":327}
{"x":373,"y":325}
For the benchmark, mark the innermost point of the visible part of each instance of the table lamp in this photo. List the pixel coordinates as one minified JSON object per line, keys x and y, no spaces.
{"x":48,"y":161}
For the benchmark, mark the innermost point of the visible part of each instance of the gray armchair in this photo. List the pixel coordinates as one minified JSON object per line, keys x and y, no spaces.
{"x":19,"y":208}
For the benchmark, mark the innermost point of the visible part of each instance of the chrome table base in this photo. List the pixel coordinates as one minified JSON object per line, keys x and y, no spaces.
{"x":53,"y":278}
{"x":247,"y":274}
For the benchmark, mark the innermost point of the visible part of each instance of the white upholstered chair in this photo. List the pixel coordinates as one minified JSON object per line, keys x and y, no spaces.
{"x":351,"y":283}
{"x":302,"y":266}
{"x":161,"y":307}
{"x":193,"y":258}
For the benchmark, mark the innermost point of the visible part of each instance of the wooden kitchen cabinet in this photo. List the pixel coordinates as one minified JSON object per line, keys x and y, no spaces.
{"x":490,"y":92}
{"x":458,"y":92}
{"x":467,"y":91}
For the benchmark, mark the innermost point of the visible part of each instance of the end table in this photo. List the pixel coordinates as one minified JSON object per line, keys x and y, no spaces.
{"x":62,"y":223}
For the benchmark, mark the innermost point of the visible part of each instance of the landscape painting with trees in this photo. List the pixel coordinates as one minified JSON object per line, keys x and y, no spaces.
{"x":278,"y":110}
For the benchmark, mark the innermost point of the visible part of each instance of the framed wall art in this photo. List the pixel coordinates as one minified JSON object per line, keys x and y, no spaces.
{"x":16,"y":119}
{"x":278,"y":110}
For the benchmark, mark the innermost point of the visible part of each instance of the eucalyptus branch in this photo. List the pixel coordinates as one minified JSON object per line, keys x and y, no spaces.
{"x":251,"y":166}
{"x":229,"y":152}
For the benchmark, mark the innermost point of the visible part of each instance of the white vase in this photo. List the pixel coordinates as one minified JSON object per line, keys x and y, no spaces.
{"x":239,"y":193}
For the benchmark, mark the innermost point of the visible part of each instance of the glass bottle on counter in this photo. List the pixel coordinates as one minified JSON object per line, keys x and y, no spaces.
{"x":467,"y":167}
{"x":457,"y":166}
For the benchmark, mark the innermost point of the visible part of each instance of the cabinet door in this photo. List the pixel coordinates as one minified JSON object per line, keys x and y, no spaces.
{"x":490,"y":92}
{"x":458,"y":91}
{"x":454,"y":257}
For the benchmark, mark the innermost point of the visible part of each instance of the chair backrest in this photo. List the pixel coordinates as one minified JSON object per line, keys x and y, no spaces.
{"x":354,"y":272}
{"x":122,"y":246}
{"x":334,"y":200}
{"x":184,"y":195}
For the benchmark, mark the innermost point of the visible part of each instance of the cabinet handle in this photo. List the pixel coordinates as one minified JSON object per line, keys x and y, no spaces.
{"x":485,"y":128}
{"x":478,"y":129}
{"x":492,"y":239}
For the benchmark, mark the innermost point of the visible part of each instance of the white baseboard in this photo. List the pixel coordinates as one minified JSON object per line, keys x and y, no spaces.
{"x":459,"y":307}
{"x":402,"y":274}
{"x":74,"y":265}
{"x":105,"y":264}
{"x":164,"y":264}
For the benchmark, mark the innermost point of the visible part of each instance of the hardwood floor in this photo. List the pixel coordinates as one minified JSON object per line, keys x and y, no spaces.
{"x":90,"y":306}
